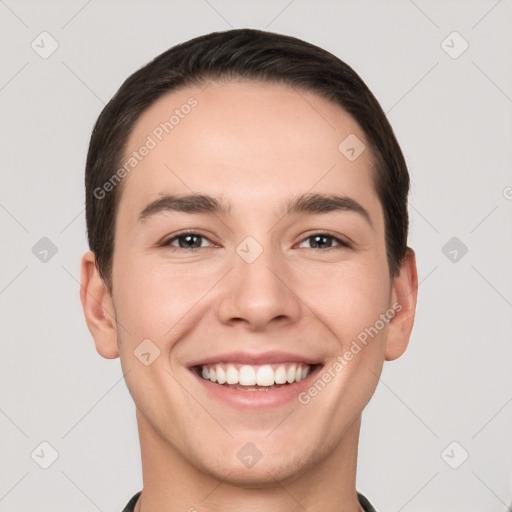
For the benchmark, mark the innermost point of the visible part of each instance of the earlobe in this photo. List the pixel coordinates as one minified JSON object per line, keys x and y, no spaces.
{"x":98,"y":308}
{"x":404,"y":295}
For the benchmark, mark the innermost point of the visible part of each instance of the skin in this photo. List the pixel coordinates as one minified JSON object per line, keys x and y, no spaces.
{"x":257,"y":145}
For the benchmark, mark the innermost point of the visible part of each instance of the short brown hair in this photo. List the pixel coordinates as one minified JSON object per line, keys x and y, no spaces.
{"x":252,"y":55}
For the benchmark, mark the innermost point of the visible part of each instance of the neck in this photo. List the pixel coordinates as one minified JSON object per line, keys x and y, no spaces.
{"x":173,"y":484}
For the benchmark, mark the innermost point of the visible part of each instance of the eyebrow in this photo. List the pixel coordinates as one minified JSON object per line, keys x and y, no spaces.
{"x":312,"y":203}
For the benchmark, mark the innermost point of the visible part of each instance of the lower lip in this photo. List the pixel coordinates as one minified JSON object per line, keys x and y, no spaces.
{"x":257,"y":399}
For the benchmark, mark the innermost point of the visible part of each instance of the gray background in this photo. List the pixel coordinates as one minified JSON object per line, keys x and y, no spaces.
{"x":453,"y":119}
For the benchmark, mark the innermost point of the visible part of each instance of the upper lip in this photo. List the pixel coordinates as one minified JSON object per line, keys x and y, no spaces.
{"x":255,"y":358}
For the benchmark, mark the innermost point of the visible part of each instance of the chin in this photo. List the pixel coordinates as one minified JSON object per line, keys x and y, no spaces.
{"x":250,"y":468}
{"x":261,"y":476}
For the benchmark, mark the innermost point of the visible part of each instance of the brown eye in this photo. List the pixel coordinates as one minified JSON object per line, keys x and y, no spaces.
{"x":187,"y":241}
{"x":324,"y":241}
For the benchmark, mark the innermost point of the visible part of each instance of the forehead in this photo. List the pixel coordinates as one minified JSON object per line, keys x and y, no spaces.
{"x":251,"y":142}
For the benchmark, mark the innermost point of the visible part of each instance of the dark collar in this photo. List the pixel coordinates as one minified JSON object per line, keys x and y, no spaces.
{"x":362,"y":500}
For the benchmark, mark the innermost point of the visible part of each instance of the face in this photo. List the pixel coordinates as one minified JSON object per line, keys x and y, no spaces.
{"x":236,"y":312}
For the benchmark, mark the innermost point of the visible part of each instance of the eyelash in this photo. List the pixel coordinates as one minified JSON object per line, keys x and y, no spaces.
{"x":326,"y":234}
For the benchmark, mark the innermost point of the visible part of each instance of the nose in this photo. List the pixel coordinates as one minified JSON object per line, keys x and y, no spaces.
{"x":258,"y":293}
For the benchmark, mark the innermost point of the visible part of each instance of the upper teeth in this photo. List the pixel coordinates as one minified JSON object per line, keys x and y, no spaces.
{"x":248,"y":375}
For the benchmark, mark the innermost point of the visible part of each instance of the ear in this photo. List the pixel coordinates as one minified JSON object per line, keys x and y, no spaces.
{"x":98,"y":308}
{"x":404,"y":295}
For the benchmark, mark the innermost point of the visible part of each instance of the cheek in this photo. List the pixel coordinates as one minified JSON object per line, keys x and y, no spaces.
{"x":347,"y":300}
{"x":158,"y":301}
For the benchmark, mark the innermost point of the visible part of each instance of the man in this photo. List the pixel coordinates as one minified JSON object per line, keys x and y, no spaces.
{"x":247,"y":219}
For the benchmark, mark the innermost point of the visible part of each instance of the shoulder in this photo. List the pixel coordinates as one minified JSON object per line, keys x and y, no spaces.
{"x":131,"y":504}
{"x":368,"y":507}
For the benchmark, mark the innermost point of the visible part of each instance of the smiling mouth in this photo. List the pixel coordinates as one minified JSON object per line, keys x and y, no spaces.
{"x":245,"y":377}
